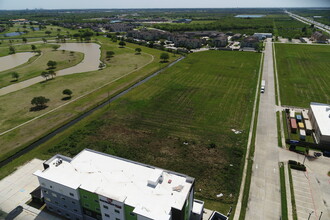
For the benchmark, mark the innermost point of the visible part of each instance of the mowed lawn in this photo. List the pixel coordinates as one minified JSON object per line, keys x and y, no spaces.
{"x":122,"y":70}
{"x":304,"y":73}
{"x":181,"y":120}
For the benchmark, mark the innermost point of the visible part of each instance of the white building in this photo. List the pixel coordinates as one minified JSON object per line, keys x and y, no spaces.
{"x":94,"y":185}
{"x":319,"y":115}
{"x":262,"y":36}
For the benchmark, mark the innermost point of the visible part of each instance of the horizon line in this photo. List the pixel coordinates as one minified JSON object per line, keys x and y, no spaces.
{"x":27,"y":9}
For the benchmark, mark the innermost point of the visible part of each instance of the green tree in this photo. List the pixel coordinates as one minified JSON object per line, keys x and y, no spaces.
{"x":45,"y":74}
{"x":33,"y":47}
{"x":44,"y":40}
{"x":110,"y":54}
{"x":52,"y":73}
{"x":138,"y":50}
{"x":48,"y":32}
{"x":12,"y":50}
{"x":55,"y":47}
{"x":164,"y":57}
{"x":24,"y":40}
{"x":67,"y":92}
{"x":52,"y":64}
{"x":15,"y":75}
{"x":122,"y":44}
{"x":39,"y":101}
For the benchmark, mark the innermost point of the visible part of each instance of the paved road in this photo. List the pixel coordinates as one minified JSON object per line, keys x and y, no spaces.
{"x":264,"y":199}
{"x":319,"y":25}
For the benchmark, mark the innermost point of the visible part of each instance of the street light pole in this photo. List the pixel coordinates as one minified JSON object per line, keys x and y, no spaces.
{"x":320,"y":216}
{"x":310,"y":214}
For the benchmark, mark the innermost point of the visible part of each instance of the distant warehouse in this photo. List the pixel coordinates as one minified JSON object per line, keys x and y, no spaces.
{"x":319,"y":115}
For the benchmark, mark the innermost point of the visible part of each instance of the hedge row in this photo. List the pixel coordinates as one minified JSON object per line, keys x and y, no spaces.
{"x":296,"y":165}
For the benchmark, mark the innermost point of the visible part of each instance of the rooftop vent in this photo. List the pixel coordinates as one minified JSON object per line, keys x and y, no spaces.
{"x":155,"y":178}
{"x":58,"y":162}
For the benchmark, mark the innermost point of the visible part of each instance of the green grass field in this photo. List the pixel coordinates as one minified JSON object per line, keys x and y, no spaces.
{"x":37,"y":64}
{"x":180,"y":120}
{"x":124,"y":65}
{"x":35,"y":34}
{"x":303,"y":72}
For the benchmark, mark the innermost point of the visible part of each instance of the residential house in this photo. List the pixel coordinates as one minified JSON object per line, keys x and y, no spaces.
{"x":251,"y":41}
{"x":318,"y":37}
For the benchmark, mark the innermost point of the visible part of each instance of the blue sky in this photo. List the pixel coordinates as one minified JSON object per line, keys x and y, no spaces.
{"x":76,"y":4}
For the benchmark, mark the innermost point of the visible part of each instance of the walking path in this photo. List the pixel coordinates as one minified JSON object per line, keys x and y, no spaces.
{"x":90,"y":62}
{"x":264,"y":199}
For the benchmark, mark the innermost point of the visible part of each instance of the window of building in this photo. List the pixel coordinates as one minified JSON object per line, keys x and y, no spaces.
{"x":59,"y":211}
{"x":45,"y":191}
{"x":132,"y":214}
{"x":54,"y":195}
{"x":89,"y":213}
{"x":106,"y":207}
{"x":47,"y":199}
{"x":62,"y":198}
{"x":56,"y":202}
{"x":117,"y":218}
{"x":106,"y":215}
{"x":97,"y":209}
{"x":98,"y":217}
{"x":43,"y":184}
{"x":95,"y":200}
{"x":65,"y":206}
{"x":84,"y":196}
{"x":73,"y":202}
{"x":51,"y":187}
{"x":71,"y":194}
{"x":67,"y":215}
{"x":86,"y":205}
{"x":75,"y":210}
{"x":117,"y":211}
{"x":50,"y":208}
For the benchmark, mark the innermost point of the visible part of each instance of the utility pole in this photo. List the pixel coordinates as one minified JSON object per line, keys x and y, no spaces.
{"x":320,"y":216}
{"x":310,"y":214}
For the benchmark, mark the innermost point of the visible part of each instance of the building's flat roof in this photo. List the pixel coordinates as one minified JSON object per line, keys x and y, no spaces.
{"x":322,"y":117}
{"x":123,"y":180}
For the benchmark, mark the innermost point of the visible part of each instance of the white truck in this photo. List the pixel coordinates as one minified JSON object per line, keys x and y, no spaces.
{"x":263,"y":85}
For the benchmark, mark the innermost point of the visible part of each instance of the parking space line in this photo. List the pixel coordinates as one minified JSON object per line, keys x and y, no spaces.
{"x":297,"y":195}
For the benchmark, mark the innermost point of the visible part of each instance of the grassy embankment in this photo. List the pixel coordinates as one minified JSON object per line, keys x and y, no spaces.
{"x":122,"y":70}
{"x":284,"y":205}
{"x":293,"y":201}
{"x":37,"y":64}
{"x":279,"y":131}
{"x":198,"y":101}
{"x":303,"y":72}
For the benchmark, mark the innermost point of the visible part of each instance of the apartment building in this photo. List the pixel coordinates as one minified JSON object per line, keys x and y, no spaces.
{"x":94,"y":185}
